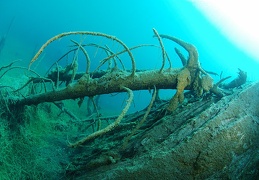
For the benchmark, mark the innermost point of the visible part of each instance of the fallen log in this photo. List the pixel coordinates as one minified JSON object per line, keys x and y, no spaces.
{"x":190,"y":77}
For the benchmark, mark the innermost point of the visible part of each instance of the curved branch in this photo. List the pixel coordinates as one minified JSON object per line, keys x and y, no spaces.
{"x":86,"y":56}
{"x":192,"y":51}
{"x":103,"y":61}
{"x":162,"y":47}
{"x":85,"y":33}
{"x":111,"y":126}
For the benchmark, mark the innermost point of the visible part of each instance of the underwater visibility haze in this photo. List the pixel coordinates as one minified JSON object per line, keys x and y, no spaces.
{"x":90,"y":87}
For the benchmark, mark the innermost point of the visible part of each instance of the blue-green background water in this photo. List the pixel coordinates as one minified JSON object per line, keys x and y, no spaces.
{"x":130,"y":21}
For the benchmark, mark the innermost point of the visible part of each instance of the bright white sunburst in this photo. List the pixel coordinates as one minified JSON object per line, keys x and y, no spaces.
{"x":237,"y":19}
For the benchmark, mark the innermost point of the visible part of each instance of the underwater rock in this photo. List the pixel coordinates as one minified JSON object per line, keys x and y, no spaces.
{"x":217,"y":140}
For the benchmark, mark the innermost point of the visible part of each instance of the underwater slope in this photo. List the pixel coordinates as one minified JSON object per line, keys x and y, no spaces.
{"x":205,"y":139}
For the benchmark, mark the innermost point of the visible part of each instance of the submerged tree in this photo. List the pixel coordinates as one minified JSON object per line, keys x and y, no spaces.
{"x":191,"y":76}
{"x":89,"y":84}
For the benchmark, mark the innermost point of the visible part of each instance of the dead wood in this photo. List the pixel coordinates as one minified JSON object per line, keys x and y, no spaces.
{"x":190,"y":77}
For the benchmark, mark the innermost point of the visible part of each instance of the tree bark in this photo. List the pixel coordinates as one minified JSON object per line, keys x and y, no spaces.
{"x":191,"y":77}
{"x":109,"y":83}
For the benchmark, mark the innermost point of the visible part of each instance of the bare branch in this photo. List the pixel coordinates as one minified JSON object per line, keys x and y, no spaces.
{"x":111,"y":126}
{"x":84,"y":33}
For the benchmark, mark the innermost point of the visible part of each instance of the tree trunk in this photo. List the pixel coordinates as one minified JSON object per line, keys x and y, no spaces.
{"x":188,"y":77}
{"x":109,"y":83}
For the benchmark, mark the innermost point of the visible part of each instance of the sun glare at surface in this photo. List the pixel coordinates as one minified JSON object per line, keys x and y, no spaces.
{"x":238,"y":20}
